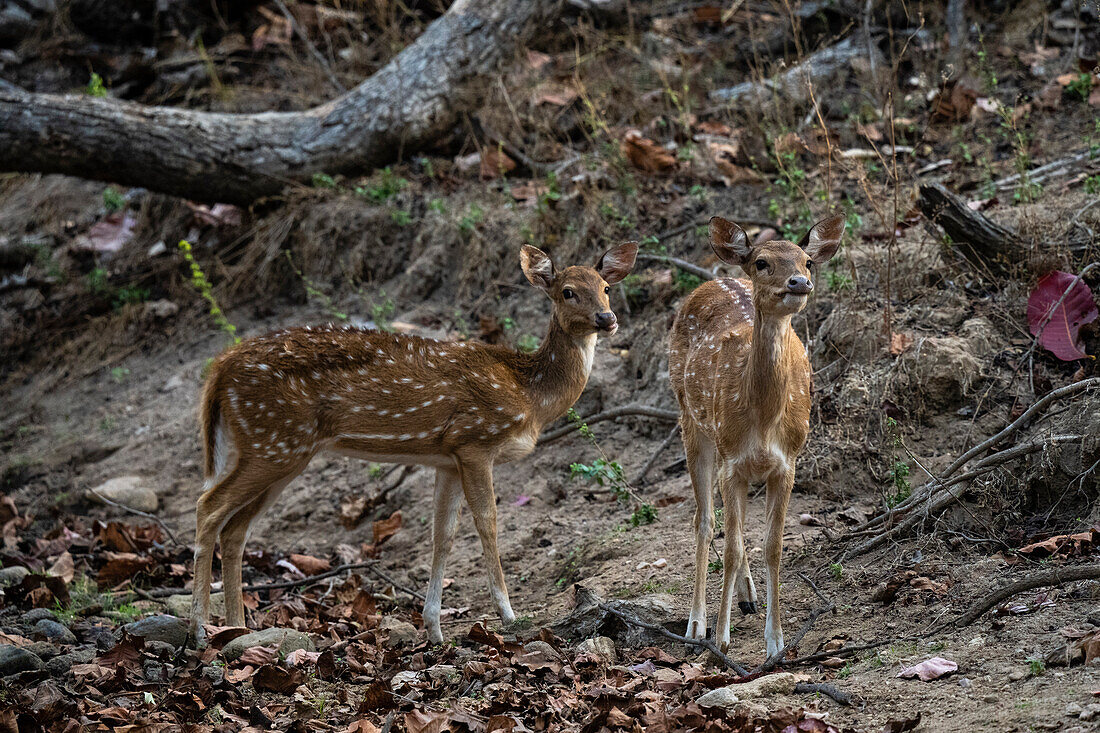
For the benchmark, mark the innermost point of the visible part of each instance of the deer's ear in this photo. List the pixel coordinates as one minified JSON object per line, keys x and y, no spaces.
{"x":617,"y":262}
{"x":536,"y":266}
{"x":823,"y":239}
{"x":729,"y":241}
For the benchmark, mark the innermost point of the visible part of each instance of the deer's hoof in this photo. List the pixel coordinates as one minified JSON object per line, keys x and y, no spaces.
{"x":747,"y":607}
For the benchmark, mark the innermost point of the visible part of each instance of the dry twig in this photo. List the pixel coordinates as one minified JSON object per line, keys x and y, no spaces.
{"x":165,"y":592}
{"x":138,"y":512}
{"x":1058,"y":576}
{"x":625,"y":410}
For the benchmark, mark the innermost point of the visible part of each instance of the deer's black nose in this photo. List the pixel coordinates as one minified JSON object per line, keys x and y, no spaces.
{"x":799,"y":284}
{"x":606,"y":320}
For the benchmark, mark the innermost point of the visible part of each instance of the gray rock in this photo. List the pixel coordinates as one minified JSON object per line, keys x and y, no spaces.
{"x":720,"y":697}
{"x":154,"y":671}
{"x":214,"y":674}
{"x":180,"y":605}
{"x":62,"y":663}
{"x":169,"y":629}
{"x":1017,"y":674}
{"x":160,"y":649}
{"x":44,"y":649}
{"x":12,"y":575}
{"x":780,"y":683}
{"x":286,"y":640}
{"x":1091,"y":712}
{"x":55,"y":632}
{"x":35,"y":615}
{"x":14,"y":660}
{"x":130,"y":491}
{"x":600,"y":646}
{"x":1073,"y":710}
{"x":399,"y":633}
{"x":543,"y":647}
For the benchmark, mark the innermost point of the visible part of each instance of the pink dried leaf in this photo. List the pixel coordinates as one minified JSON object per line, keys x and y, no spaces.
{"x":1060,"y":335}
{"x":930,"y":669}
{"x":110,"y":235}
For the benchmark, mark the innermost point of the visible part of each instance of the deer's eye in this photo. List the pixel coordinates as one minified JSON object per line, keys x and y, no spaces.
{"x":761,"y":265}
{"x":567,"y":293}
{"x":607,"y":289}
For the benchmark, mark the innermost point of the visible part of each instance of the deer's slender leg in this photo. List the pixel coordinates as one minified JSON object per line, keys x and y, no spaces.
{"x":448,"y":504}
{"x":735,"y":491}
{"x":778,"y":494}
{"x":700,"y":453}
{"x":477,"y":485}
{"x":233,"y":536}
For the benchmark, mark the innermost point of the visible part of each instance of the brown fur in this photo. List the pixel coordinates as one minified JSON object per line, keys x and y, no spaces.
{"x":277,"y":400}
{"x":742,"y":379}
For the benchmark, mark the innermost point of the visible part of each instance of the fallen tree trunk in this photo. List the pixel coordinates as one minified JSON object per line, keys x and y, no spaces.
{"x":238,"y":158}
{"x":976,"y":237}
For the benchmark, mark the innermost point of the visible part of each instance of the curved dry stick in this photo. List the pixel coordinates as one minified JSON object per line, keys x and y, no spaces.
{"x":699,"y":272}
{"x":1013,"y":427}
{"x":1039,"y":580}
{"x":138,"y":512}
{"x":165,"y":592}
{"x":625,"y":410}
{"x":952,"y":491}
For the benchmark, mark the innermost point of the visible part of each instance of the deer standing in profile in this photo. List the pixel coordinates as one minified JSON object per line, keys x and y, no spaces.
{"x":742,"y":378}
{"x":271,"y":403}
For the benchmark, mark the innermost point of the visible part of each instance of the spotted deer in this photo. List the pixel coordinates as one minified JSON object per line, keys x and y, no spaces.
{"x":742,"y":378}
{"x":271,"y":403}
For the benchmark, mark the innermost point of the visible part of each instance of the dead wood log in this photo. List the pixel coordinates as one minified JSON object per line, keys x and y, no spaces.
{"x":977,"y":238}
{"x":237,"y":158}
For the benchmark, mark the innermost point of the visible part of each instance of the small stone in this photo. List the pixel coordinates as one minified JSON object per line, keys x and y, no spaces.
{"x":286,"y":640}
{"x":161,"y":309}
{"x":161,"y":627}
{"x":720,"y":697}
{"x":154,"y":671}
{"x":55,"y":632}
{"x":667,"y":674}
{"x":62,"y":663}
{"x":781,"y":683}
{"x":160,"y":649}
{"x":174,"y":382}
{"x":129,"y":491}
{"x":444,"y":673}
{"x":599,"y":646}
{"x":43,"y":649}
{"x":541,"y":647}
{"x":965,"y":683}
{"x":1091,"y":712}
{"x":33,"y":616}
{"x":400,"y":633}
{"x":12,"y":575}
{"x":1073,"y":709}
{"x":214,"y":674}
{"x":180,"y":605}
{"x":157,"y":249}
{"x":1016,"y":675}
{"x":14,"y":659}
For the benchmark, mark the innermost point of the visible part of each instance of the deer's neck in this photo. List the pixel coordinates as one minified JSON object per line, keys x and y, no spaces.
{"x":556,"y":374}
{"x":765,"y":380}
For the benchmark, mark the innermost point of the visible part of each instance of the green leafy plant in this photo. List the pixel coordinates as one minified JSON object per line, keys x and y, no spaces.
{"x":324,"y":180}
{"x":1092,"y":184}
{"x":206,"y":290}
{"x":96,"y":281}
{"x":685,"y":282}
{"x":837,"y":570}
{"x":1036,"y":666}
{"x":897,"y":470}
{"x":606,"y":472}
{"x":527,"y":343}
{"x":314,"y":292}
{"x":438,"y":205}
{"x":715,"y":566}
{"x":469,"y":221}
{"x":119,"y":374}
{"x":382,"y":313}
{"x":130,"y":294}
{"x":387,"y":186}
{"x":95,"y":86}
{"x":401,"y":217}
{"x":113,"y":201}
{"x":1080,"y":86}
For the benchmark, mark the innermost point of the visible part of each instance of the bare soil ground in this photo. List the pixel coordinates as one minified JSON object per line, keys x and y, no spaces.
{"x":96,"y":388}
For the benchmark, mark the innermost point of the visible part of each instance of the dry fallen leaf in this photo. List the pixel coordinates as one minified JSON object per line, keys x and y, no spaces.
{"x":310,"y":565}
{"x":645,"y":154}
{"x":495,"y":163}
{"x":900,"y":342}
{"x":385,"y":528}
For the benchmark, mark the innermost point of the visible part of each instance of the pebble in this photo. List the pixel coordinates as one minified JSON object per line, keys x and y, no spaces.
{"x":600,"y":646}
{"x":1016,"y":675}
{"x":180,"y":605}
{"x":399,"y":633}
{"x":35,"y":615}
{"x":541,"y":647}
{"x":720,"y":697}
{"x":12,"y":575}
{"x":161,"y":627}
{"x":44,"y":649}
{"x":965,"y":683}
{"x":130,"y":491}
{"x":14,"y":659}
{"x":1073,"y":709}
{"x":55,"y":632}
{"x":287,"y":640}
{"x":1091,"y":712}
{"x":62,"y":663}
